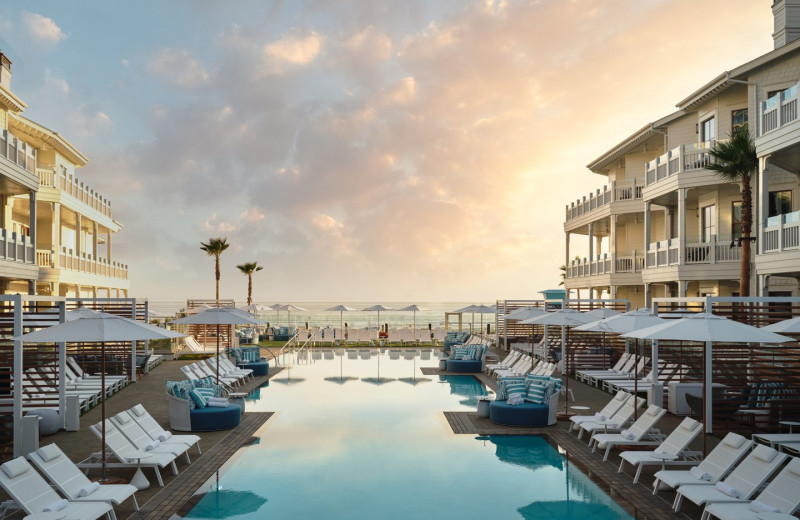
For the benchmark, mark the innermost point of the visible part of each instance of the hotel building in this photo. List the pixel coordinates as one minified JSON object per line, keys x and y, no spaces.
{"x":55,"y":231}
{"x":665,"y":225}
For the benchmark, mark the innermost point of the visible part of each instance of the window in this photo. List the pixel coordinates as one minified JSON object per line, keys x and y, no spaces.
{"x":736,"y":219}
{"x":708,"y":130}
{"x":738,"y":119}
{"x":780,"y":203}
{"x":708,"y":224}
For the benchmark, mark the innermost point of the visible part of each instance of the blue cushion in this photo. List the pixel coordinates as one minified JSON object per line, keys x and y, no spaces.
{"x":525,"y":414}
{"x":200,"y":401}
{"x":463,"y":366}
{"x":516,"y":388}
{"x":500,"y":391}
{"x":212,"y":418}
{"x":459,"y":353}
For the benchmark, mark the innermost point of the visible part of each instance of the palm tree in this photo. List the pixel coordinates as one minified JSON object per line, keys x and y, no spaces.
{"x":735,"y":160}
{"x":214,"y":248}
{"x":248,"y":269}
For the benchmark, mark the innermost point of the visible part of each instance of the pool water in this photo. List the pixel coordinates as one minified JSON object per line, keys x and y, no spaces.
{"x":363,"y":437}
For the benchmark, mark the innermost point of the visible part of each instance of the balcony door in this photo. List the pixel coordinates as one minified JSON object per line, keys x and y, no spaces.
{"x":708,"y":223}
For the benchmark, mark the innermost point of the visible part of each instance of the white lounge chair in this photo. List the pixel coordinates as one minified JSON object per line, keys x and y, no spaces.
{"x":156,"y":432}
{"x":34,"y":495}
{"x":209,"y":366}
{"x":746,"y":478}
{"x":640,"y":433}
{"x":128,"y":455}
{"x":73,"y":484}
{"x":616,"y":421}
{"x":782,"y":495}
{"x":583,"y":375}
{"x":508,"y":361}
{"x":713,"y":467}
{"x":673,"y":450}
{"x":143,"y":442}
{"x":773,"y":439}
{"x":607,"y":411}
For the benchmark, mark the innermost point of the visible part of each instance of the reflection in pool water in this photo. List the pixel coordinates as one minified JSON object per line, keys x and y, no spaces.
{"x":341,"y":446}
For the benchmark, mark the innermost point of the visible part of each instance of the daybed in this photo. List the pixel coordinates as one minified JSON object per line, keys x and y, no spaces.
{"x":455,"y":338}
{"x":467,"y":360}
{"x":250,"y":357}
{"x":283,"y":333}
{"x":540,"y":406}
{"x":186,"y":412}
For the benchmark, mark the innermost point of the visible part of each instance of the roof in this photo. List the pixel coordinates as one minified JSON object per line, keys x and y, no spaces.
{"x":11,"y":101}
{"x":632,"y":142}
{"x":50,"y":137}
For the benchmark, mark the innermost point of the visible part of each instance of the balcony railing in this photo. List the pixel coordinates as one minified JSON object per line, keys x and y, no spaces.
{"x":782,"y":233}
{"x":17,"y":151}
{"x":678,"y":160}
{"x":667,"y":252}
{"x":75,"y":188}
{"x":606,"y":264}
{"x":83,"y":263}
{"x":15,"y":247}
{"x":779,"y":110}
{"x":628,"y":189}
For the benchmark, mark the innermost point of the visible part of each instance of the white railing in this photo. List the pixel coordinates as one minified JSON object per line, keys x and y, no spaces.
{"x":779,"y":110}
{"x":627,"y":189}
{"x":782,"y":233}
{"x":606,"y":264}
{"x":75,"y":188}
{"x":630,"y":263}
{"x":83,"y":263}
{"x":684,"y":158}
{"x":667,"y":252}
{"x":15,"y":247}
{"x":17,"y":151}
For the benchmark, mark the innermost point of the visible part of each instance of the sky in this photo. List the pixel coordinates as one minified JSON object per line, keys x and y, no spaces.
{"x":358,"y":150}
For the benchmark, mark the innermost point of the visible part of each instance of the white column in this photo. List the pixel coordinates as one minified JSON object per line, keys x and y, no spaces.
{"x":591,"y":243}
{"x":762,"y":196}
{"x":647,"y":207}
{"x":612,"y":246}
{"x":681,"y":225}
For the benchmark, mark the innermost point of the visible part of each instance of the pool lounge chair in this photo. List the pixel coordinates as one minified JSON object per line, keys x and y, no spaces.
{"x":780,"y":496}
{"x":126,"y":453}
{"x":509,"y":360}
{"x":79,"y":372}
{"x":521,"y":368}
{"x":746,"y":479}
{"x":582,"y":375}
{"x":617,"y":421}
{"x":70,"y":480}
{"x":156,"y":432}
{"x":641,"y":433}
{"x":634,"y":371}
{"x":607,"y":411}
{"x":34,"y":495}
{"x":773,"y":439}
{"x":143,"y":442}
{"x":675,"y":445}
{"x":713,"y":467}
{"x":208,"y":367}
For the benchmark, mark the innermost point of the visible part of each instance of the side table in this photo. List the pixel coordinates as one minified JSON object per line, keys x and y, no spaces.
{"x":483,"y":407}
{"x":237,"y":398}
{"x":139,"y":480}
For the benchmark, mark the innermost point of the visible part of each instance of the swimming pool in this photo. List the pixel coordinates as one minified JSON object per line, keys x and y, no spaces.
{"x":362,"y":436}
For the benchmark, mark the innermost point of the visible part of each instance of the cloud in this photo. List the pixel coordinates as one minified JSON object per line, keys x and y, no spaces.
{"x":293,"y":49}
{"x":176,"y":66}
{"x":55,"y":84}
{"x":42,"y":29}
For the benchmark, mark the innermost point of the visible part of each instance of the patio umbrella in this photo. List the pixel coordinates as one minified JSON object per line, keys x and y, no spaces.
{"x":378,"y":308}
{"x":707,"y":328}
{"x":341,"y":309}
{"x":791,"y":326}
{"x":218,"y":316}
{"x":601,"y":313}
{"x":99,"y":327}
{"x":565,"y":318}
{"x":480,"y":309}
{"x":289,"y":308}
{"x":413,"y":308}
{"x":525,"y":313}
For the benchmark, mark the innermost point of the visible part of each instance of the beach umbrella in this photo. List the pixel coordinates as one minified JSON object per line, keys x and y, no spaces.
{"x":218,"y":316}
{"x":525,"y":313}
{"x":98,"y":327}
{"x":708,"y":328}
{"x":414,"y":309}
{"x":341,"y":309}
{"x":479,"y":309}
{"x":565,"y":318}
{"x":601,"y":313}
{"x":378,"y":308}
{"x":791,"y":326}
{"x":289,"y":308}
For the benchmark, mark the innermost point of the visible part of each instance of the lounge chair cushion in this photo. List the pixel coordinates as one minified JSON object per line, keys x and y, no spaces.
{"x":139,"y":410}
{"x":501,"y":394}
{"x":212,"y":419}
{"x":764,"y":453}
{"x":15,"y":467}
{"x":761,"y":507}
{"x":525,"y":414}
{"x":49,"y":452}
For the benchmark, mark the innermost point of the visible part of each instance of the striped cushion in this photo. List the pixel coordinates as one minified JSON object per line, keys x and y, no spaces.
{"x":200,"y":401}
{"x":459,"y":353}
{"x":536,"y":393}
{"x":534,"y":379}
{"x":500,"y":393}
{"x":516,"y":388}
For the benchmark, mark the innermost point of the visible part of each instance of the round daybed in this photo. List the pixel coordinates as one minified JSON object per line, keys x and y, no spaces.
{"x":464,"y":366}
{"x":525,"y":414}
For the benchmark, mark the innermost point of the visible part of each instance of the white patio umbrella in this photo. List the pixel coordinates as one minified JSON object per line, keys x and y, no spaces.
{"x":479,"y":309}
{"x":219,"y":316}
{"x":525,"y":313}
{"x":565,"y":318}
{"x":289,"y":308}
{"x":256,"y":308}
{"x":413,"y":308}
{"x":98,"y":327}
{"x":791,"y":326}
{"x":341,"y":309}
{"x":378,"y":308}
{"x":601,"y":313}
{"x":707,"y":328}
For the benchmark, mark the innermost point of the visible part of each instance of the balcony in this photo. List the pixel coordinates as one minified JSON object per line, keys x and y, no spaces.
{"x":782,"y":233}
{"x":15,"y":247}
{"x":83,"y":263}
{"x":631,"y":262}
{"x":17,"y":151}
{"x":685,"y":158}
{"x":668,"y":253}
{"x":74,"y":188}
{"x":779,"y":110}
{"x":624,"y":190}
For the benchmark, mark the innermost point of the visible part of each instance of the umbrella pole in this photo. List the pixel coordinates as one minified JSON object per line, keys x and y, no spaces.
{"x":217,"y":354}
{"x":104,"y":470}
{"x":566,"y":372}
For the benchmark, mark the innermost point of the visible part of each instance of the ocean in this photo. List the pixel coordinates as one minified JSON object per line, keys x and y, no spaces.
{"x":432,"y":313}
